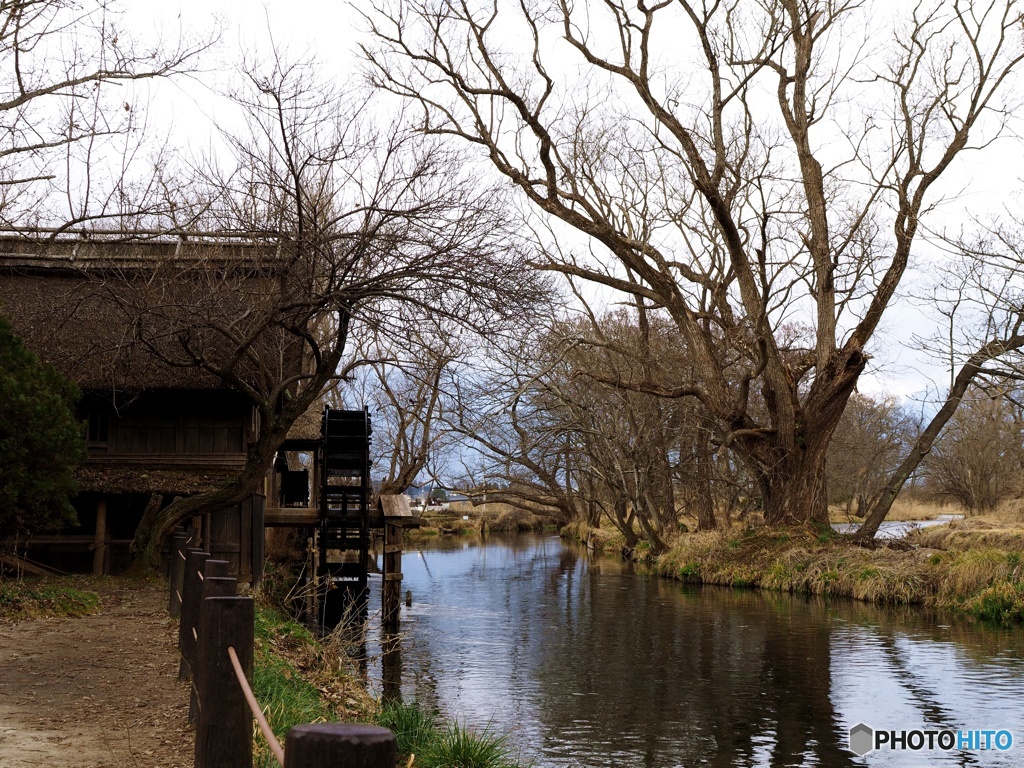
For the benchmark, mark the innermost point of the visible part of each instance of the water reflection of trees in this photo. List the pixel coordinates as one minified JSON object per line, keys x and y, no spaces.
{"x":595,"y":665}
{"x":655,"y":675}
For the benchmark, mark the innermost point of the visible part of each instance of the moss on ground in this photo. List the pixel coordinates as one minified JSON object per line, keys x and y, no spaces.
{"x":30,"y":598}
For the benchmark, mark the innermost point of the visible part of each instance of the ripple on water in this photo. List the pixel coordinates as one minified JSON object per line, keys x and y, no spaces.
{"x":597,"y":667}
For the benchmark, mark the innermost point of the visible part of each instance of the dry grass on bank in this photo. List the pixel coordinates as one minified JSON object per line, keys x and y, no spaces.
{"x":597,"y":539}
{"x":497,"y":516}
{"x":1001,"y":529}
{"x":983,"y":581}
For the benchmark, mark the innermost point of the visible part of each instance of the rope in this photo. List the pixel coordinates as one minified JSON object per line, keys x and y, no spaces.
{"x":275,"y":745}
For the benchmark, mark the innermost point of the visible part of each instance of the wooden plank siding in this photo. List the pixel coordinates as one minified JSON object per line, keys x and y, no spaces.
{"x":174,"y":443}
{"x":172,"y":424}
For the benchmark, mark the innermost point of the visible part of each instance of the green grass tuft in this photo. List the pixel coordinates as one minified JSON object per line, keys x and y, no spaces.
{"x":287,"y":699}
{"x":414,"y":727}
{"x":438,"y":745}
{"x":458,"y":747}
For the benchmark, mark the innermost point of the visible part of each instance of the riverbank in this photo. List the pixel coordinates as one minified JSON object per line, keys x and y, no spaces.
{"x":971,"y":567}
{"x":461,"y":518}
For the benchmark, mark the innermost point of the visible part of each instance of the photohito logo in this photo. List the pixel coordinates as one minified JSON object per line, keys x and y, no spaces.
{"x":863,"y":739}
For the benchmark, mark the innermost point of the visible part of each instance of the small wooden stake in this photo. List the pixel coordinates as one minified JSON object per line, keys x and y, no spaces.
{"x":331,"y":745}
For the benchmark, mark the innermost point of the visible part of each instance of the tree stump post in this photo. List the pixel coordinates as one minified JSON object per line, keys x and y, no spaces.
{"x":179,"y":542}
{"x":191,"y":587}
{"x":224,"y":727}
{"x":212,"y":586}
{"x":331,"y":745}
{"x":391,"y":591}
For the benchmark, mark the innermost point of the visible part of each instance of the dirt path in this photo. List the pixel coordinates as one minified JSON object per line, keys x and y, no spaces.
{"x":100,"y":691}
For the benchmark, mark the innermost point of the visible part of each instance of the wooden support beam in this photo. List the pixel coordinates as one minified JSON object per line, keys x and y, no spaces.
{"x":391,"y":590}
{"x":99,"y":544}
{"x":291,"y":517}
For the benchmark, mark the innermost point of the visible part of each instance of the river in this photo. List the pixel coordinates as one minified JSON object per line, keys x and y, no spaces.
{"x":588,"y":662}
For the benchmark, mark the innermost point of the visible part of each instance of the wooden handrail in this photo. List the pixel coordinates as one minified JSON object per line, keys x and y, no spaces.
{"x":268,"y":734}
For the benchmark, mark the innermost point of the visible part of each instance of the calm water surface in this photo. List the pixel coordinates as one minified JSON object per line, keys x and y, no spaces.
{"x":588,"y":662}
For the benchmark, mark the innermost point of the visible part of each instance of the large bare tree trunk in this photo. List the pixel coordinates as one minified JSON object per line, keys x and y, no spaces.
{"x":798,"y":493}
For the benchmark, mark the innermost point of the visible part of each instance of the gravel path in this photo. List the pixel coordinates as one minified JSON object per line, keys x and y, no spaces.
{"x":99,"y":691}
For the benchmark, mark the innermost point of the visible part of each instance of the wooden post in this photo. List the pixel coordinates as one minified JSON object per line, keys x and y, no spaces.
{"x":391,"y":667}
{"x":224,"y":727}
{"x":179,"y":542}
{"x":217,"y":569}
{"x":391,"y":591}
{"x":326,"y":745}
{"x":99,"y":545}
{"x":313,"y":582}
{"x":191,"y":589}
{"x":212,"y":586}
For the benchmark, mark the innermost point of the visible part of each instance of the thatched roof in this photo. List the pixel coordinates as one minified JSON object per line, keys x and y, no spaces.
{"x":116,"y":252}
{"x":307,"y":427}
{"x":95,"y":310}
{"x":168,"y":482}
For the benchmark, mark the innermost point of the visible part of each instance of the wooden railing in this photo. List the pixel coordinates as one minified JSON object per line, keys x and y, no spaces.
{"x":216,"y":642}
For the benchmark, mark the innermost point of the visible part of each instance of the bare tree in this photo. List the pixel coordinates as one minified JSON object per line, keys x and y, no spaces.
{"x":407,"y":384}
{"x":869,"y":442}
{"x":67,"y":68}
{"x":564,"y":442}
{"x":366,"y":227}
{"x":978,"y":459}
{"x":515,"y":450}
{"x":988,"y":291}
{"x":736,"y":164}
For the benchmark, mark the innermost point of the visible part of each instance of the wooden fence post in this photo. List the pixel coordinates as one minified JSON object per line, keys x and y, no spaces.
{"x":212,"y":586}
{"x":224,"y":729}
{"x":190,"y":594}
{"x":217,"y":569}
{"x":178,"y":543}
{"x":330,"y":745}
{"x":391,"y":590}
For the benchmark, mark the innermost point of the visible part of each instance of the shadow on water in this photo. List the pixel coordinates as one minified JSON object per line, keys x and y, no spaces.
{"x":590,"y":662}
